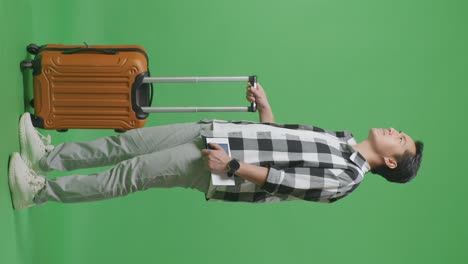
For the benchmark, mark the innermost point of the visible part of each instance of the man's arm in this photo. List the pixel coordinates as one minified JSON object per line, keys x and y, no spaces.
{"x":218,"y":160}
{"x":259,"y":96}
{"x":253,"y":173}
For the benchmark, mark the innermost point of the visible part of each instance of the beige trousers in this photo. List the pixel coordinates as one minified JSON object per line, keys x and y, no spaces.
{"x":152,"y":157}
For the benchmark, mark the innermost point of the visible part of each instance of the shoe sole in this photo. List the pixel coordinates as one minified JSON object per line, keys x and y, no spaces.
{"x":17,"y":203}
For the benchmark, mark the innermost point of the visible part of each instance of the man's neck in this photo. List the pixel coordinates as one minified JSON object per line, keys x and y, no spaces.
{"x":365,"y":149}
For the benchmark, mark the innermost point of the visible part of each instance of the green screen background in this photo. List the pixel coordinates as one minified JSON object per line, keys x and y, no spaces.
{"x":336,"y":64}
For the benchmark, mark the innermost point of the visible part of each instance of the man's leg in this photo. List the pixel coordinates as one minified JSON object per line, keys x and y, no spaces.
{"x":181,"y":166}
{"x":111,"y":150}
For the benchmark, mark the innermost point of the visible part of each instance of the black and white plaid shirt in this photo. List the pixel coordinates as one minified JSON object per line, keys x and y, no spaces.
{"x":305,"y":162}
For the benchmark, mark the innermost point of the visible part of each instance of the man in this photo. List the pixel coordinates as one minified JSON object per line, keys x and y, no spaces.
{"x":269,"y":162}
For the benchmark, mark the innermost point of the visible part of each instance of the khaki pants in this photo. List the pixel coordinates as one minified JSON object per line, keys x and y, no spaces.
{"x":153,"y":157}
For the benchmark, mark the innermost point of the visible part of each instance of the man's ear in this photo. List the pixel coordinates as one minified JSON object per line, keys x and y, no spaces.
{"x":390,"y":162}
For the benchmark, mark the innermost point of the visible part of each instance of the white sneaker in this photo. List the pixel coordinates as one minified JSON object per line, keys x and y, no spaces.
{"x":34,"y":145}
{"x":24,"y":183}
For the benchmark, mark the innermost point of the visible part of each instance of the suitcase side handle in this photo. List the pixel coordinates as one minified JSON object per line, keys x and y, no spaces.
{"x":94,"y":50}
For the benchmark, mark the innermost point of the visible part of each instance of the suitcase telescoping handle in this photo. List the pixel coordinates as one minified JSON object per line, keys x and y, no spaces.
{"x":251,"y":108}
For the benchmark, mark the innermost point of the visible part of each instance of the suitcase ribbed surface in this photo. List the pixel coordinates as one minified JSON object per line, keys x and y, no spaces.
{"x":88,"y":90}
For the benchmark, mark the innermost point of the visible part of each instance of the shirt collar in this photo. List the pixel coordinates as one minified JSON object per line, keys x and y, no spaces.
{"x":357,"y":158}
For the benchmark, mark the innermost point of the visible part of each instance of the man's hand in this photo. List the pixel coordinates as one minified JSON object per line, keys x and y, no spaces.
{"x":259,"y":96}
{"x":217,"y":159}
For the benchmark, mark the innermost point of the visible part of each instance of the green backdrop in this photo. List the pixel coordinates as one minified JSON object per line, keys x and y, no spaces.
{"x":336,"y":64}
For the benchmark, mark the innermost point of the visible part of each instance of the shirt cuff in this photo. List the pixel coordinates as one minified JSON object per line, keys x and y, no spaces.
{"x":273,"y":180}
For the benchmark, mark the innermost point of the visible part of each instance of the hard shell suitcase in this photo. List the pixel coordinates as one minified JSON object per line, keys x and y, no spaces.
{"x":89,"y":86}
{"x":101,"y":87}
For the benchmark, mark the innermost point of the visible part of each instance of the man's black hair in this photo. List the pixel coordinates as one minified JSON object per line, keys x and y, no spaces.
{"x":407,"y":166}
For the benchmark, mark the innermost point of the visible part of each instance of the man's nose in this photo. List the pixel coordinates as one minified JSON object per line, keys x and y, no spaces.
{"x":392,"y":130}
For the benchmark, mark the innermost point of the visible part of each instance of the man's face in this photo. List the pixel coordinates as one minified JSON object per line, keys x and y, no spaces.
{"x":389,"y":143}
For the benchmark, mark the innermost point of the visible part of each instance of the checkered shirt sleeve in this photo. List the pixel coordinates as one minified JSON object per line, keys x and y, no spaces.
{"x":310,"y":184}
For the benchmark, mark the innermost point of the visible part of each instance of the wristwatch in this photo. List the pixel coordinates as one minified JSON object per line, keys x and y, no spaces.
{"x":232,"y":167}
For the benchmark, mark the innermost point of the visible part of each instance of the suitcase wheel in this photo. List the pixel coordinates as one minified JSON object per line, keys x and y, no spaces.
{"x":62,"y":130}
{"x":37,"y":121}
{"x":33,"y":49}
{"x":26,"y":64}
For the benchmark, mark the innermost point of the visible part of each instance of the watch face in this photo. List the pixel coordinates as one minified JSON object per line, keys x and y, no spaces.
{"x":233,"y":166}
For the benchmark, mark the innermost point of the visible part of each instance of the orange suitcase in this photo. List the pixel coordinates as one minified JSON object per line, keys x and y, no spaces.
{"x":101,"y":87}
{"x":89,"y":86}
